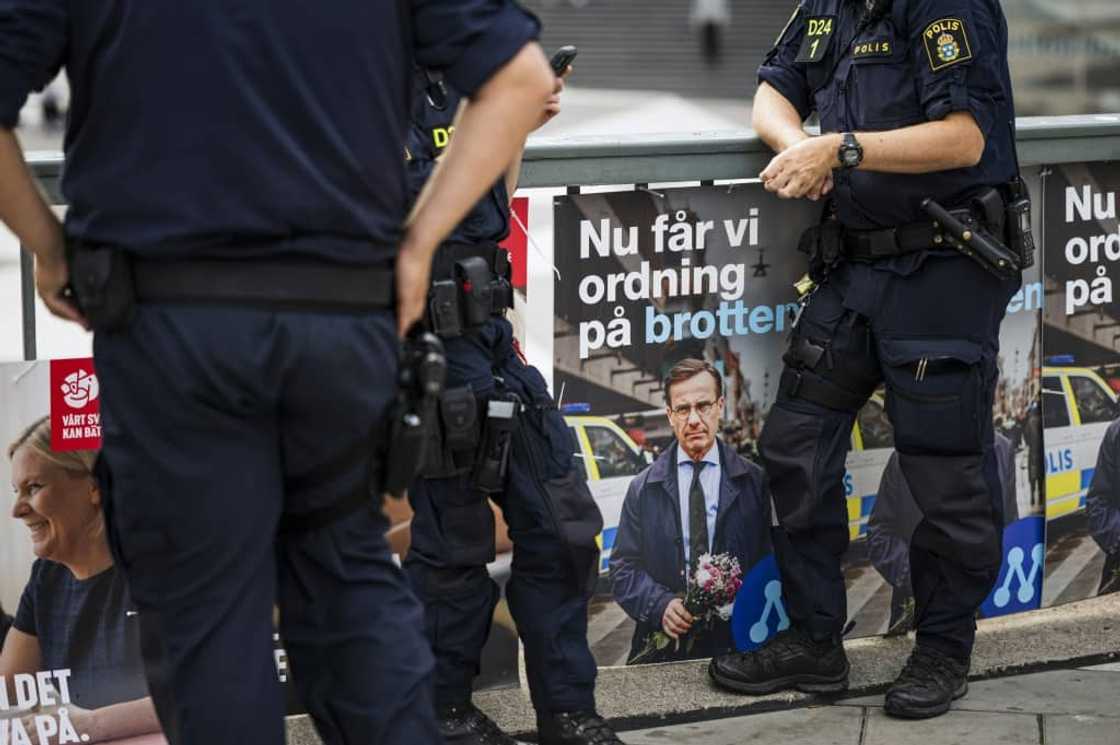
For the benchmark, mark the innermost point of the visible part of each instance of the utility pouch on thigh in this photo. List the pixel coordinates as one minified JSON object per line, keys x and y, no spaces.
{"x":103,"y":285}
{"x":492,"y":465}
{"x":458,"y":413}
{"x":454,"y":440}
{"x":935,"y":395}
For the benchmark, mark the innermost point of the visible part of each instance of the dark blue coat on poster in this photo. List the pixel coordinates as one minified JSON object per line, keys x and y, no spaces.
{"x":1102,"y":508}
{"x":647,"y":565}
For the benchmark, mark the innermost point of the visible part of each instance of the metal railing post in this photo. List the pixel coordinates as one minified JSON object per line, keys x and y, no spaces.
{"x":27,"y":302}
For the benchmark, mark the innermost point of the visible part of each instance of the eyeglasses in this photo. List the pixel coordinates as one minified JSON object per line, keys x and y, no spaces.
{"x":684,"y":411}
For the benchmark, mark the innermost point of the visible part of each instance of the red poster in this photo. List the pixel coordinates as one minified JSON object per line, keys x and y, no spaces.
{"x":75,"y":405}
{"x":517,"y":242}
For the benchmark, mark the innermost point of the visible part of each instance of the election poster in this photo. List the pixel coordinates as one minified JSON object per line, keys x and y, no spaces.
{"x":61,"y":594}
{"x":62,"y":601}
{"x":1080,"y":381}
{"x":649,"y":277}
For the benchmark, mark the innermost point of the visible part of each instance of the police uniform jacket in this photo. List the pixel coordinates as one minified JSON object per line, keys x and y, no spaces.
{"x":918,"y":61}
{"x":647,"y":566}
{"x":228,"y":127}
{"x":430,"y":129}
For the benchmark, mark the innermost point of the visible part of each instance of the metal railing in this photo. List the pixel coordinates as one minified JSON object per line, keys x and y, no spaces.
{"x":677,"y":157}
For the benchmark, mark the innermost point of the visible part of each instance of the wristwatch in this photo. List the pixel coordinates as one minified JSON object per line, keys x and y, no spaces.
{"x":851,"y":152}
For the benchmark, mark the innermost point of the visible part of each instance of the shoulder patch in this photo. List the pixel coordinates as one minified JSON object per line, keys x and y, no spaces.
{"x":946,"y":43}
{"x":818,"y":37}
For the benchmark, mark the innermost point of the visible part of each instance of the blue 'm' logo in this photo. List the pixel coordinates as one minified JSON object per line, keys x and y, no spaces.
{"x":1019,"y":586}
{"x":759,"y":612}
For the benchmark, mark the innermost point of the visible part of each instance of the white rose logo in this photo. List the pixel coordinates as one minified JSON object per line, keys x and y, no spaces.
{"x":79,"y":389}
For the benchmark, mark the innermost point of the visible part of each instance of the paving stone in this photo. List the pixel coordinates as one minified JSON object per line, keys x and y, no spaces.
{"x":1073,"y":631}
{"x":954,"y":728}
{"x":813,"y":726}
{"x":1056,"y":692}
{"x":1080,"y":730}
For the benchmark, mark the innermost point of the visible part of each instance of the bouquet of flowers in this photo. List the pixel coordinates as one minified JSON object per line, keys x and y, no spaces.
{"x":711,"y":591}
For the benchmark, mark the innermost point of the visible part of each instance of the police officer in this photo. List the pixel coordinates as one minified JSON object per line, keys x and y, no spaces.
{"x":500,"y":436}
{"x":237,"y":199}
{"x":915,"y":103}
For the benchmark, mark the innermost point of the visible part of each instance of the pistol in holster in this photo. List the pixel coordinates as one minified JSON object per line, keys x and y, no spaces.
{"x":423,"y":369}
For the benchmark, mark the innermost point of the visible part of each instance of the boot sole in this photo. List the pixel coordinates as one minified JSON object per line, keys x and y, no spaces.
{"x":803,"y":683}
{"x":924,"y":712}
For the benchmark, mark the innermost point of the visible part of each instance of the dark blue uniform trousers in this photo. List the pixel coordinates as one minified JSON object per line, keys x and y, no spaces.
{"x":453,"y":539}
{"x":927,"y":326}
{"x":216,"y":423}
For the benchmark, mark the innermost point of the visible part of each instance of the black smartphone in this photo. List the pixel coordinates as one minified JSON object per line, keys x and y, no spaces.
{"x":563,"y":58}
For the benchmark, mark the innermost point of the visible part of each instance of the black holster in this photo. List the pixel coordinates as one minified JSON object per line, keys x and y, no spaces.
{"x":102,"y":283}
{"x":454,"y":436}
{"x":823,"y":244}
{"x":491,"y":467}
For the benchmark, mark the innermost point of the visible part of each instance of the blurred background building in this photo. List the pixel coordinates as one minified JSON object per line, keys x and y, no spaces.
{"x":1064,"y":53}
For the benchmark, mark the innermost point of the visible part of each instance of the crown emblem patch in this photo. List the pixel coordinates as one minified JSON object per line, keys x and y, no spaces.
{"x":946,"y":43}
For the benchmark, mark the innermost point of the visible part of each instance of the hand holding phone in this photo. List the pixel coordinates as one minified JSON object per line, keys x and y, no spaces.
{"x":562,"y":58}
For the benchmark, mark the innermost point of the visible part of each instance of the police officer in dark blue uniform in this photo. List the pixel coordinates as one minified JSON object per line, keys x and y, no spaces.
{"x":915,"y":104}
{"x":500,"y":436}
{"x":237,"y":241}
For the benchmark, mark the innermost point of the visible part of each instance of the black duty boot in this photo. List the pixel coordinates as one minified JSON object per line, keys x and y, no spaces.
{"x":927,"y":685}
{"x":466,"y":725}
{"x":789,"y":660}
{"x":575,"y":728}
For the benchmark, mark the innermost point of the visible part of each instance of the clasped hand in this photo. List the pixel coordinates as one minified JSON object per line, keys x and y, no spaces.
{"x":802,"y":170}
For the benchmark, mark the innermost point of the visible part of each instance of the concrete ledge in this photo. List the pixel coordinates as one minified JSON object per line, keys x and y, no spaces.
{"x":652,"y":695}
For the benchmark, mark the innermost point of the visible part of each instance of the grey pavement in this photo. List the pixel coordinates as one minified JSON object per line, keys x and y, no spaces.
{"x":1030,"y":685}
{"x":1079,"y":706}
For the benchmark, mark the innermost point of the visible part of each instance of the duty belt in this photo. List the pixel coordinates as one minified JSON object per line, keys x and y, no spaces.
{"x":107,"y":282}
{"x":443,"y":263}
{"x":871,"y":245}
{"x":292,"y":283}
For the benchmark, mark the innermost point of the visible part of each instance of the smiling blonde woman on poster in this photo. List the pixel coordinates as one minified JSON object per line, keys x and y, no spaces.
{"x":75,"y":614}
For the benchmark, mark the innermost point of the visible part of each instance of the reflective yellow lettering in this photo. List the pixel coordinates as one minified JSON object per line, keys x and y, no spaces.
{"x":441,"y":136}
{"x":820,"y":27}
